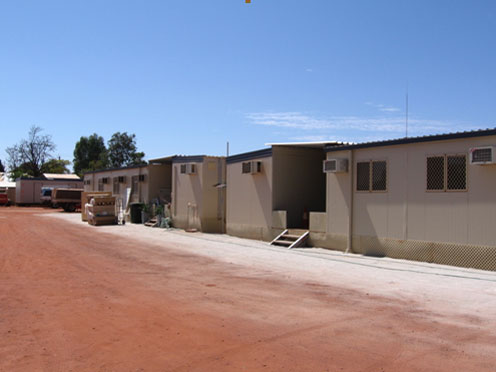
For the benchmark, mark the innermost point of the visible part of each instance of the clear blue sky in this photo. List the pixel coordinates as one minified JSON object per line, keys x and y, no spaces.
{"x":187,"y":76}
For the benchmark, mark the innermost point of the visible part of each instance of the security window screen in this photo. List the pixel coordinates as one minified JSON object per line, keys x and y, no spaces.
{"x":372,"y":176}
{"x":379,"y":176}
{"x":435,"y":173}
{"x":457,"y":172}
{"x":447,"y":173}
{"x":246,"y":167}
{"x":363,"y":176}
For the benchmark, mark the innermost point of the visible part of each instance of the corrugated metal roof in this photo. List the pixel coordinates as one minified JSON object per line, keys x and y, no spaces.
{"x":407,"y":140}
{"x":57,"y":176}
{"x":312,"y":144}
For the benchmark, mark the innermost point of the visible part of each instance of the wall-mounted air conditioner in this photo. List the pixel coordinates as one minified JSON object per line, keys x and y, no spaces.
{"x":482,"y":155}
{"x":188,"y":168}
{"x":251,"y":167}
{"x":335,"y":165}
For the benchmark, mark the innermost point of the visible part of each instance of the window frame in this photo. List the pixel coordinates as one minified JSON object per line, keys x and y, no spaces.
{"x":445,"y":172}
{"x":371,"y":166}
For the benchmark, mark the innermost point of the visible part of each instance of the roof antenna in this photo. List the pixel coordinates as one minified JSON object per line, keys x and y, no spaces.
{"x":406,"y":113}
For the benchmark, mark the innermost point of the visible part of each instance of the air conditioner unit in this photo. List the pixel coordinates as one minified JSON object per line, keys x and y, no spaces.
{"x":482,"y":155}
{"x":190,"y":168}
{"x":335,"y":165}
{"x":251,"y":167}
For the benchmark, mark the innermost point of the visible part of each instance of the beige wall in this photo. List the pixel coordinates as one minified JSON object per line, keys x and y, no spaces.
{"x":249,"y":201}
{"x":160,"y":181}
{"x":388,"y":221}
{"x":196,"y":202}
{"x":157,"y":182}
{"x":29,"y":191}
{"x":299,"y":183}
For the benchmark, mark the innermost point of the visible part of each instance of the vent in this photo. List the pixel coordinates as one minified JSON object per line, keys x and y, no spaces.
{"x":189,"y":168}
{"x":335,"y":165}
{"x":251,"y":167}
{"x":482,"y":155}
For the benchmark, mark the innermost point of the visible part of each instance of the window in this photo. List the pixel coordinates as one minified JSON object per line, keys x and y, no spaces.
{"x":100,"y":184}
{"x":87,"y":182}
{"x":183,"y":168}
{"x":447,"y":173}
{"x":134,"y":185}
{"x":141,"y":178}
{"x":116,"y":186}
{"x":122,"y":179}
{"x":371,"y":176}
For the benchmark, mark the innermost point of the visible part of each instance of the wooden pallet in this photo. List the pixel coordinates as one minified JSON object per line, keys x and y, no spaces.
{"x":291,"y":238}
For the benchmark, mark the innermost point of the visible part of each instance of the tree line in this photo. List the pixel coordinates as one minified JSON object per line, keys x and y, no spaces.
{"x":32,"y":156}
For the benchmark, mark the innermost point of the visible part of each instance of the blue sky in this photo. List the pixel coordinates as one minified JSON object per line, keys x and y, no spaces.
{"x":187,"y":76}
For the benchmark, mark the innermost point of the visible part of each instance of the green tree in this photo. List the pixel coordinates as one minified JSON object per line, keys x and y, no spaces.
{"x":59,"y":166}
{"x":2,"y":168}
{"x":122,"y":150}
{"x":28,"y":156}
{"x":90,"y":153}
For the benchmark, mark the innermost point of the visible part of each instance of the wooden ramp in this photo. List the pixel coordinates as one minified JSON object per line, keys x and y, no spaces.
{"x":292,"y":238}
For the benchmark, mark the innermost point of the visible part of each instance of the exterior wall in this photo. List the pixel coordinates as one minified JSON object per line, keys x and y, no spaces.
{"x":160,"y":182}
{"x":299,"y":183}
{"x":249,"y":201}
{"x":409,"y":222}
{"x":196,"y":202}
{"x":213,"y":213}
{"x":187,"y":197}
{"x":28,"y":191}
{"x":157,"y":182}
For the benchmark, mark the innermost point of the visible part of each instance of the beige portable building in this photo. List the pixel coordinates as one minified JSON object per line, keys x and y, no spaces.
{"x":144,"y":182}
{"x":427,"y":198}
{"x":198,"y":193}
{"x":274,"y":189}
{"x":28,"y":189}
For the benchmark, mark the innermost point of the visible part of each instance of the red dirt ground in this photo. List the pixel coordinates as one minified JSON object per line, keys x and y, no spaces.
{"x":71,"y":302}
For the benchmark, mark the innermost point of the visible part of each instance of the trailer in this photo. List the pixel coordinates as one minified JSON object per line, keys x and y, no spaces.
{"x":67,"y":199}
{"x":28,"y":189}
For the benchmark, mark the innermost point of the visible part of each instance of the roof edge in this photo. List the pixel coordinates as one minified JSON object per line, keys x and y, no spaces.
{"x":409,"y":140}
{"x":263,"y":153}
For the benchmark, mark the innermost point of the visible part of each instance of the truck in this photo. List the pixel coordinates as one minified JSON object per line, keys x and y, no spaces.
{"x":4,"y":199}
{"x":67,"y":199}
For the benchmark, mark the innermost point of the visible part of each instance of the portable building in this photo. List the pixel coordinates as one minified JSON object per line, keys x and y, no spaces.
{"x":426,"y":198}
{"x":28,"y":189}
{"x":198,"y":193}
{"x":141,"y":183}
{"x":274,"y":189}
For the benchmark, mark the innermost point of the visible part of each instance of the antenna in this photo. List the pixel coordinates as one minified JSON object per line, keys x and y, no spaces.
{"x":227,"y":149}
{"x":406,"y":113}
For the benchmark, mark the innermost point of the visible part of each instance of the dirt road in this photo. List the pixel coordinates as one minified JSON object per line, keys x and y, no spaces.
{"x":74,"y":298}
